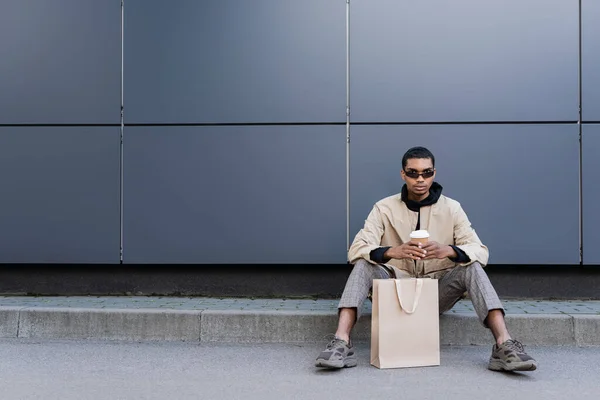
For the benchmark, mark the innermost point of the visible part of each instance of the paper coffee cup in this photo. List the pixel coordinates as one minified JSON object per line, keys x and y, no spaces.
{"x":420,"y":236}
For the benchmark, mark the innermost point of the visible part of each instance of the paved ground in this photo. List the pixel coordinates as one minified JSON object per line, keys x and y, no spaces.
{"x":116,"y":370}
{"x":203,"y":303}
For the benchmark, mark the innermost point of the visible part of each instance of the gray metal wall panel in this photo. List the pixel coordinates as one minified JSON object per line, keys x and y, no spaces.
{"x":60,"y":61}
{"x":60,"y":195}
{"x":235,"y":61}
{"x":507,"y":177}
{"x":591,"y":194}
{"x":590,"y":59}
{"x":263,"y":194}
{"x":469,"y":60}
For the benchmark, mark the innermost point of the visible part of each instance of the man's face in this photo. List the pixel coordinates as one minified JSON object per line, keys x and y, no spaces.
{"x":418,"y":186}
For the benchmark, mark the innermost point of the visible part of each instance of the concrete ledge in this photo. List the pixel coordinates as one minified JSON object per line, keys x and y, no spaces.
{"x":459,"y":329}
{"x":587,"y":330}
{"x":531,"y":329}
{"x":542,"y":329}
{"x":266,"y":326}
{"x":114,"y":324}
{"x":9,"y":322}
{"x":455,"y":329}
{"x":271,"y":326}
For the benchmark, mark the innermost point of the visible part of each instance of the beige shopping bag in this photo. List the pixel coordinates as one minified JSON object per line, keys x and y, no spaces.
{"x":405,"y":325}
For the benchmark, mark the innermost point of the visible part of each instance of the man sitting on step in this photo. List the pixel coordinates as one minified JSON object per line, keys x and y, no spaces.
{"x":453,"y":254}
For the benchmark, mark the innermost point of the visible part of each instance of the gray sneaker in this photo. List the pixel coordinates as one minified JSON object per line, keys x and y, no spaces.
{"x":337,"y":354}
{"x":510,"y":356}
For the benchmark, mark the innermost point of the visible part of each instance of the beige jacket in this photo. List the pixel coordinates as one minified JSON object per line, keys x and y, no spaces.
{"x":391,"y":222}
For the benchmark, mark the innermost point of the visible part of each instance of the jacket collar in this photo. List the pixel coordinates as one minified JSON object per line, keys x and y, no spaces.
{"x":434,"y":195}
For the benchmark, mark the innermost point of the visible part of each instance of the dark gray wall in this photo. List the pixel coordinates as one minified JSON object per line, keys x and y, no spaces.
{"x":506,"y":177}
{"x":234,"y":125}
{"x":60,"y":61}
{"x":235,"y":61}
{"x":591,"y":194}
{"x":590,"y":59}
{"x":465,"y":60}
{"x":60,"y":194}
{"x":230,"y":194}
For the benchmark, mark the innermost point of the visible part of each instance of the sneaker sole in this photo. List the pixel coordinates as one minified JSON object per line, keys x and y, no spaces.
{"x":347,"y":363}
{"x":497,"y":365}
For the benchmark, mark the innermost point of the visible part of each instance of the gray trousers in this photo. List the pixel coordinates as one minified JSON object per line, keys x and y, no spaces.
{"x":451,"y":286}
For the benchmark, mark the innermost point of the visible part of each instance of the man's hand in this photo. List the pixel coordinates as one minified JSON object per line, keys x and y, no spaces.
{"x":407,"y":250}
{"x":436,"y":250}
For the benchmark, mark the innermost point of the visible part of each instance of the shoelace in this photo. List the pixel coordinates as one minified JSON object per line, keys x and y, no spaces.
{"x":335,"y":342}
{"x":515,"y":345}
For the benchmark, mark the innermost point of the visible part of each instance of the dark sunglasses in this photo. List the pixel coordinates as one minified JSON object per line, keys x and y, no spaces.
{"x":425,"y":174}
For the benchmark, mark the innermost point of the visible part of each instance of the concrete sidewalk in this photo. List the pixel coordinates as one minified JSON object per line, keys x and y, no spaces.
{"x":271,"y":320}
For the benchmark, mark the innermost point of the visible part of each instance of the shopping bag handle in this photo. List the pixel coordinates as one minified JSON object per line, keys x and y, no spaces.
{"x":419,"y":287}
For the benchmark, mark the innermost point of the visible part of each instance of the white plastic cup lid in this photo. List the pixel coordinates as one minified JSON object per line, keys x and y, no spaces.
{"x":420,"y":234}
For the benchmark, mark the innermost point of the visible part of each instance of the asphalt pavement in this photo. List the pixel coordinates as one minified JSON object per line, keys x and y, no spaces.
{"x":75,"y":369}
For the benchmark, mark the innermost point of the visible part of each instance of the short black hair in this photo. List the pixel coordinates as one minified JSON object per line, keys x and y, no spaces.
{"x":417,"y":152}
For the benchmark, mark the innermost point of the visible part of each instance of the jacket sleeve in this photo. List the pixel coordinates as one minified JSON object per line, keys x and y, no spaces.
{"x":467,"y":240}
{"x":368,"y":238}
